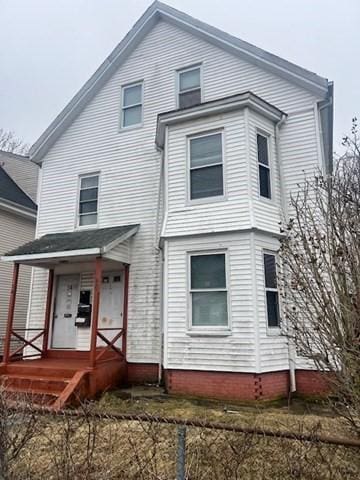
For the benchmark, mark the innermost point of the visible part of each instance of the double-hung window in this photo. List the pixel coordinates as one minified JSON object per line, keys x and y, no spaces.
{"x":206,"y":166}
{"x":88,"y":200}
{"x":264,"y":166}
{"x":208,"y":290}
{"x":271,"y":290}
{"x":132,"y":105}
{"x":189,"y":87}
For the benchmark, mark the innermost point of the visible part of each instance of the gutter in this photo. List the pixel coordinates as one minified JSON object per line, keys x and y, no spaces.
{"x":291,"y":349}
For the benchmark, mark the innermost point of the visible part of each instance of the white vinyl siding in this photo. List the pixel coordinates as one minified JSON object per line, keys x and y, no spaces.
{"x":15,"y":231}
{"x":132,"y":105}
{"x":130,"y":173}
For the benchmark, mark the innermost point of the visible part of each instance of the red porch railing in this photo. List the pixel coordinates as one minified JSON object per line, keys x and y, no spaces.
{"x":110,"y":343}
{"x":18,"y":354}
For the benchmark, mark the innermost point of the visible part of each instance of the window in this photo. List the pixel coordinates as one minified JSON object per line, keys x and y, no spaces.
{"x":206,"y":166}
{"x":264,"y":167}
{"x":189,"y":84}
{"x":88,"y":200}
{"x":132,"y":104}
{"x":209,"y":298}
{"x":272,"y":295}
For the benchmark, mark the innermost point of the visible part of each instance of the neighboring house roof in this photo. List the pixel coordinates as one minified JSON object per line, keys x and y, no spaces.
{"x":22,"y":170}
{"x":102,"y":239}
{"x":159,"y":11}
{"x":11,"y":192}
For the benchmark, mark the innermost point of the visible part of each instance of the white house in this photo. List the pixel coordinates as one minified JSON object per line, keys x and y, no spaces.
{"x":170,"y":170}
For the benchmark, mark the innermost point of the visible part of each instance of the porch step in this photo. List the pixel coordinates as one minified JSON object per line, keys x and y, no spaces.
{"x":30,"y":383}
{"x":48,"y":371}
{"x":38,"y":396}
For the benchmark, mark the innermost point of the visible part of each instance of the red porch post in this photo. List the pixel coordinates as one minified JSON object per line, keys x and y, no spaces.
{"x":125,"y":309}
{"x":95,"y":311}
{"x":48,"y":311}
{"x":10,"y":318}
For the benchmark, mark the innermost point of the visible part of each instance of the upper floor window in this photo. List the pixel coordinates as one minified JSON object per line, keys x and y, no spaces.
{"x":206,"y":166}
{"x":271,"y":289}
{"x":208,"y":290}
{"x":189,"y":83}
{"x":264,"y":166}
{"x":132,"y":105}
{"x":88,"y":200}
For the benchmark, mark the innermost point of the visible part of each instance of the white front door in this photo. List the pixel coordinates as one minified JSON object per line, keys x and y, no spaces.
{"x":66,"y":303}
{"x":111,"y":304}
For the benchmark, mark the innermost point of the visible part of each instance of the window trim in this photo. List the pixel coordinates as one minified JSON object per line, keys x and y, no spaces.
{"x":268,"y":137}
{"x":271,"y":330}
{"x":123,"y":88}
{"x":187,"y":69}
{"x":77,"y":210}
{"x":214,"y":198}
{"x":208,"y":329}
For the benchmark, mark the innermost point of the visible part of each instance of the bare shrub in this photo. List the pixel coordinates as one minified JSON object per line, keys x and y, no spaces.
{"x":320,"y":259}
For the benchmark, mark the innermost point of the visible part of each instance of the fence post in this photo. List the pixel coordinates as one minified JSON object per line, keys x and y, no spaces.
{"x":181,"y":453}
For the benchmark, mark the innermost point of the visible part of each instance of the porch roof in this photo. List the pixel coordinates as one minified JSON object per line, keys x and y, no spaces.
{"x":80,"y":243}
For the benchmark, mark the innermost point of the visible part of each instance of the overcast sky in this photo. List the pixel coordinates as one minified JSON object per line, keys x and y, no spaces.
{"x":49,"y":48}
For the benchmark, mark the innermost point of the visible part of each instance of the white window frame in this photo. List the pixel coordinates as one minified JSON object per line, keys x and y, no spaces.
{"x":271,"y":330}
{"x":268,"y":137}
{"x":188,"y":69}
{"x":78,"y":215}
{"x":123,"y":108}
{"x":214,"y":198}
{"x":220,"y":330}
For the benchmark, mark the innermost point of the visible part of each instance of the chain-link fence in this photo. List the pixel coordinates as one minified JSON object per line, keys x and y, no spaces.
{"x":87,"y":445}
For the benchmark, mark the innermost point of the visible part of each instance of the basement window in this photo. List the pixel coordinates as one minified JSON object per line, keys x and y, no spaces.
{"x":88,"y":200}
{"x":264,"y":166}
{"x":271,"y":291}
{"x":189,"y":87}
{"x":208,"y":290}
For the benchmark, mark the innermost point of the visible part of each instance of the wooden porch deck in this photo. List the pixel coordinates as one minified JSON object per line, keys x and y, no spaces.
{"x":61,"y":378}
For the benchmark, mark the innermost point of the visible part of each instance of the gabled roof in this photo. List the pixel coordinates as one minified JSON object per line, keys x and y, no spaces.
{"x":12,"y":193}
{"x":159,"y":11}
{"x":82,"y":241}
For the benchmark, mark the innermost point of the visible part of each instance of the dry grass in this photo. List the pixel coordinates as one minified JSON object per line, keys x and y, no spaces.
{"x":70,"y":448}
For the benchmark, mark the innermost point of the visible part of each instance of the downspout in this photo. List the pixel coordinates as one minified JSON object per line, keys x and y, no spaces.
{"x":291,"y":349}
{"x":158,"y":246}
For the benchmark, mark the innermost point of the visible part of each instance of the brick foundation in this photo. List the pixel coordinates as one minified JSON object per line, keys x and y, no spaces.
{"x":140,"y":373}
{"x":228,"y":385}
{"x":244,"y":386}
{"x":312,"y":383}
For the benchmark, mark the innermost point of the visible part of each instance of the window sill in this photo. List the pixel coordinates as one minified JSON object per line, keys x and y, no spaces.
{"x":273,"y":332}
{"x":130,"y":128}
{"x":206,"y":200}
{"x":209,"y":333}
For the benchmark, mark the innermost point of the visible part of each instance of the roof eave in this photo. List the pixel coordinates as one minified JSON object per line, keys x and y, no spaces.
{"x":18,"y":209}
{"x":221,"y":106}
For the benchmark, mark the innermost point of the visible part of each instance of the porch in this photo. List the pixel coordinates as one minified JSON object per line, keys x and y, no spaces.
{"x":74,"y":354}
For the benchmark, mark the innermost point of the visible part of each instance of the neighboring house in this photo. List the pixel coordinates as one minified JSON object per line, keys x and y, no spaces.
{"x":18,"y":185}
{"x":163,"y":184}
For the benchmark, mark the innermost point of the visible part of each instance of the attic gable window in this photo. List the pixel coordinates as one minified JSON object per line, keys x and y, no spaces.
{"x":132,"y":105}
{"x":264,"y":166}
{"x":88,"y":200}
{"x":189,"y":87}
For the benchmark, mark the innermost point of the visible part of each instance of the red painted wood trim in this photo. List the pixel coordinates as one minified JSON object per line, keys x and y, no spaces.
{"x":125,"y":309}
{"x":95,"y":312}
{"x":48,"y":311}
{"x":11,"y":310}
